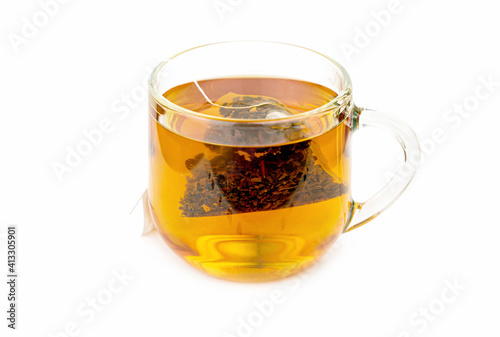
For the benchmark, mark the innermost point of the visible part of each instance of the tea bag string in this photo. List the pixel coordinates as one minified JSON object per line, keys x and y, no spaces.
{"x":203,"y":93}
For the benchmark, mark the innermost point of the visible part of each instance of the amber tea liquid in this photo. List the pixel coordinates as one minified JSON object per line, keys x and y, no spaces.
{"x":247,"y":213}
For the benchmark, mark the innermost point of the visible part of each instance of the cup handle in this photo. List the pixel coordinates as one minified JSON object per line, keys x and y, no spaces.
{"x":404,"y":135}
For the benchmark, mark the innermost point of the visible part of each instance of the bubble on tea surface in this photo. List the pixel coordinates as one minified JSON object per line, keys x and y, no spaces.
{"x":276,"y":114}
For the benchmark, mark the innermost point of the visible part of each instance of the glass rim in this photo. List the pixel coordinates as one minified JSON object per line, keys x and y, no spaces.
{"x":327,"y":107}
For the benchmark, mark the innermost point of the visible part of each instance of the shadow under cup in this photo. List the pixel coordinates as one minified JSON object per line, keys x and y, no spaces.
{"x":249,"y":174}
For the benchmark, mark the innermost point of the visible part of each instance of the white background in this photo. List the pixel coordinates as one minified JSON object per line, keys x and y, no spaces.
{"x":76,"y":232}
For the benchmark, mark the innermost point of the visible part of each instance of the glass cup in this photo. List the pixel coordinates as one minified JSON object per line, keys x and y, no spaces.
{"x":261,"y":198}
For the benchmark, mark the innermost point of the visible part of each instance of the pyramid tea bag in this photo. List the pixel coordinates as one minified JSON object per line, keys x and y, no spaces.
{"x":251,"y":179}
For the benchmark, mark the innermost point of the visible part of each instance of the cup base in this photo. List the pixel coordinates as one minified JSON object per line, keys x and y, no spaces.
{"x":249,"y":258}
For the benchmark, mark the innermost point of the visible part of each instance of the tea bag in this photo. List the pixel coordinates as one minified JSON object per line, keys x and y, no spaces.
{"x":233,"y":179}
